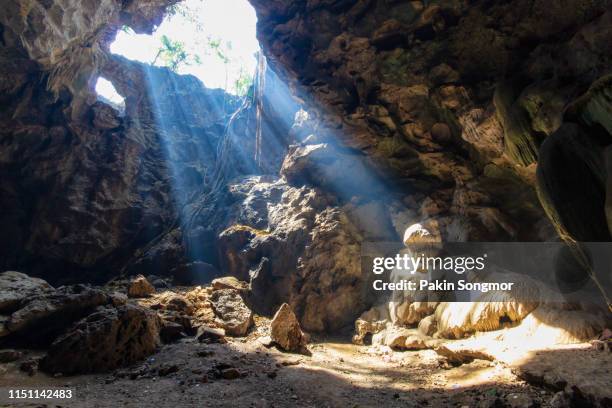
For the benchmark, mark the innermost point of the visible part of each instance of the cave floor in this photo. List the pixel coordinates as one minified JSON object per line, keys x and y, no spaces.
{"x":337,"y":374}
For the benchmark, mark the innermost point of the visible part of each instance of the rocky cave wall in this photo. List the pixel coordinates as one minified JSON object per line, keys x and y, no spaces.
{"x":480,"y":120}
{"x":86,"y":187}
{"x":453,"y":99}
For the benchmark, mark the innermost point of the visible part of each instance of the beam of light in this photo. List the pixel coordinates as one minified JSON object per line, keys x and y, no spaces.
{"x":194,"y":24}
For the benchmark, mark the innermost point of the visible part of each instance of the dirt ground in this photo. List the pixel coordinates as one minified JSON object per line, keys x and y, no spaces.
{"x":337,"y":374}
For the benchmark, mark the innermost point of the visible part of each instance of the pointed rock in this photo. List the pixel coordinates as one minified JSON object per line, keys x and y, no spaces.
{"x":286,"y":331}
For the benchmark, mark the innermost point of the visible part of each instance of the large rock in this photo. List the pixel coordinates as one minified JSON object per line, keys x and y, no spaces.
{"x":104,"y":340}
{"x":41,"y":318}
{"x":232,"y":314}
{"x":295,"y":247}
{"x":285,"y":330}
{"x":140,"y":287}
{"x":16,"y":287}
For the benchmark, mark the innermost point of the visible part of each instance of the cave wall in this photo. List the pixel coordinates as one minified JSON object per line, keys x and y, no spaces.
{"x":481,"y":120}
{"x":87,"y":188}
{"x":452,"y":100}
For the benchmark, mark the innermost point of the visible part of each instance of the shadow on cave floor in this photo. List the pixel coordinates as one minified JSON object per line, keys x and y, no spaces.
{"x":336,"y":375}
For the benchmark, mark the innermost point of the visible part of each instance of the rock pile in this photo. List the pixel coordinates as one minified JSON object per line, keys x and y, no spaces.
{"x":85,"y":329}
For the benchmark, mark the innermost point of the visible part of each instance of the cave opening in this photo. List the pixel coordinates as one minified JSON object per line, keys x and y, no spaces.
{"x":213,"y":40}
{"x":107,"y":93}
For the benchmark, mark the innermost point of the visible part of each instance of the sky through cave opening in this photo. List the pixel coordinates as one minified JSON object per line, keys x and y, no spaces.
{"x":213,"y":40}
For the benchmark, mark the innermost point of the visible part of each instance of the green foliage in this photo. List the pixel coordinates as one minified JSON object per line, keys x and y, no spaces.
{"x":215,"y":46}
{"x":175,"y":54}
{"x":172,"y":54}
{"x":243,"y":84}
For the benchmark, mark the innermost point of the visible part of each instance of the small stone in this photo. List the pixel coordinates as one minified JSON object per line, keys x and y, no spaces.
{"x":167,"y":370}
{"x":140,"y":287}
{"x":440,"y":132}
{"x":230,"y":373}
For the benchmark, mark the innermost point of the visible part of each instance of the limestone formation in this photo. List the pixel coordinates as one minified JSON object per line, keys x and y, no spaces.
{"x":277,"y":232}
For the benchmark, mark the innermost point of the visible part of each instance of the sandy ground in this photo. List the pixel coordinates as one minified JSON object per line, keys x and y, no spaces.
{"x":338,"y":374}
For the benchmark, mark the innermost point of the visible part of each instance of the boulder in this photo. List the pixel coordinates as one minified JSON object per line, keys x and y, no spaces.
{"x":107,"y":339}
{"x":232,"y":314}
{"x":285,"y":330}
{"x":45,"y":316}
{"x":140,"y":287}
{"x":16,"y":287}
